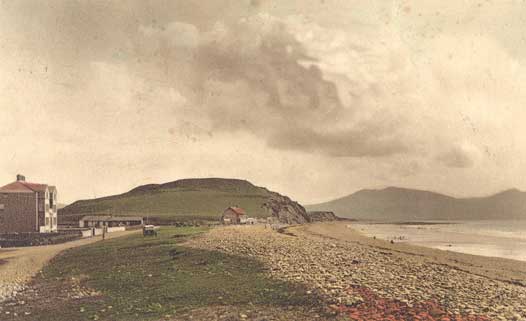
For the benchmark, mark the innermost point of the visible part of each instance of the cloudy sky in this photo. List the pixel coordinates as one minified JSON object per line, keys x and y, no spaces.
{"x":314,"y":99}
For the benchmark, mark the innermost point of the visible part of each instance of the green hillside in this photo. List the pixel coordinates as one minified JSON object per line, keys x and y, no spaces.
{"x":189,"y":199}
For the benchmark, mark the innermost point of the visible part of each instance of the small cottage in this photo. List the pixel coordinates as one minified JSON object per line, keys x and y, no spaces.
{"x":234,"y":215}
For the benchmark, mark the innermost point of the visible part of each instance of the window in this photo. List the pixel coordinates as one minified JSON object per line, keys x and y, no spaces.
{"x":54,"y":221}
{"x":47,"y":220}
{"x":51,"y":199}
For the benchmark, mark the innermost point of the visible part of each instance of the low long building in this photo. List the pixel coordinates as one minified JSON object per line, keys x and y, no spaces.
{"x":110,"y":221}
{"x":28,"y":207}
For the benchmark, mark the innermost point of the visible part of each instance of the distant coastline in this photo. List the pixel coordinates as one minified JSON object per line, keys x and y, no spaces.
{"x":397,"y":204}
{"x":406,"y":222}
{"x":503,"y":239}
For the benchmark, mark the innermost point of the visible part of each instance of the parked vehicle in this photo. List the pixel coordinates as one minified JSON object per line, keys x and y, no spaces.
{"x":149,"y":230}
{"x":247,"y":220}
{"x":251,"y":221}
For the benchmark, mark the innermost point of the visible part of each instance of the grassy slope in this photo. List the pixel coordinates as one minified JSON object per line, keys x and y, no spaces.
{"x":181,"y":200}
{"x":138,"y":279}
{"x":206,"y":204}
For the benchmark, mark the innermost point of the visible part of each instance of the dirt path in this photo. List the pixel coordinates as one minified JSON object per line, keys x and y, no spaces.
{"x":19,"y":265}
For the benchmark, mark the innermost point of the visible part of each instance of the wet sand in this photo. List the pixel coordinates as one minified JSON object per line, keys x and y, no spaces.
{"x":507,"y":270}
{"x":477,"y":239}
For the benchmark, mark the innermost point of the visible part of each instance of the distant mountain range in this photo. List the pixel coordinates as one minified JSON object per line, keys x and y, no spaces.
{"x":188,"y":200}
{"x":402,"y":204}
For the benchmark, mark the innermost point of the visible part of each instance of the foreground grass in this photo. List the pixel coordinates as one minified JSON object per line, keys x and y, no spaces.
{"x":138,"y":278}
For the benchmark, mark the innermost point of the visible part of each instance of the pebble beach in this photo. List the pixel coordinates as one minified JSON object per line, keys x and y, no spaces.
{"x":361,"y":278}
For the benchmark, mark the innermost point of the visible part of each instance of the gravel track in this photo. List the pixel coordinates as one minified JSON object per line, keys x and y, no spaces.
{"x":19,"y":265}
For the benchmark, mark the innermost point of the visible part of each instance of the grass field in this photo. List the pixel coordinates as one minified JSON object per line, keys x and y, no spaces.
{"x":138,"y":278}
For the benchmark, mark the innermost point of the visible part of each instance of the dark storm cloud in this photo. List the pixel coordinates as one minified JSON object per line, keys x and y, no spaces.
{"x":242,"y":71}
{"x":339,"y":144}
{"x":457,"y":157}
{"x":254,"y":76}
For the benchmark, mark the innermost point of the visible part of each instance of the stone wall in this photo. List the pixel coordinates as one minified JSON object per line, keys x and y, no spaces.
{"x":32,"y":239}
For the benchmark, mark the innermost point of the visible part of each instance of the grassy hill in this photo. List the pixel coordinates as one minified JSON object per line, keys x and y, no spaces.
{"x":397,"y":204}
{"x":182,"y":200}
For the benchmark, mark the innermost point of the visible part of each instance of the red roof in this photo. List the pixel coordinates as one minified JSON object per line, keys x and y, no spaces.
{"x":23,"y":187}
{"x":237,"y":210}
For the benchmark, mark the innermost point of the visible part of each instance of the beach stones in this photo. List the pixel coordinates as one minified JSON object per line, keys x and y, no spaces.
{"x":369,"y":283}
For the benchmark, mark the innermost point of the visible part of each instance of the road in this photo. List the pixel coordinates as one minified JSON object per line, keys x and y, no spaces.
{"x":19,"y":265}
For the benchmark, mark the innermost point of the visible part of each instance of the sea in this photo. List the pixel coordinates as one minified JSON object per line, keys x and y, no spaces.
{"x":503,"y":238}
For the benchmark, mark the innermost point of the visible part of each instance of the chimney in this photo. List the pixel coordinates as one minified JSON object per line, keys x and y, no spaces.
{"x":20,"y":178}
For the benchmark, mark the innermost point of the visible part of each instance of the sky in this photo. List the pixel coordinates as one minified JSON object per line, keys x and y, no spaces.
{"x":313,"y":99}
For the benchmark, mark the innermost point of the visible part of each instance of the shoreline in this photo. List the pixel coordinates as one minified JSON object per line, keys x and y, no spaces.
{"x":406,"y":222}
{"x":453,"y":237}
{"x":370,"y":279}
{"x":495,"y":268}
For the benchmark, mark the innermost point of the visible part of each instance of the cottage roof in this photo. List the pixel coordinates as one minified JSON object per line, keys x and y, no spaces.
{"x":107,"y":218}
{"x":23,"y":187}
{"x":237,"y":210}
